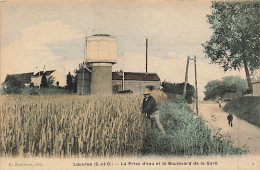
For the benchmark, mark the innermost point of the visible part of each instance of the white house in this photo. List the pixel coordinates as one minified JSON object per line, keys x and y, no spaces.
{"x":58,"y":78}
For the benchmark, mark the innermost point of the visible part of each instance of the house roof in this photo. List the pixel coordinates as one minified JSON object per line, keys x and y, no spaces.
{"x":136,"y":76}
{"x":85,"y":70}
{"x":23,"y":77}
{"x":41,"y":73}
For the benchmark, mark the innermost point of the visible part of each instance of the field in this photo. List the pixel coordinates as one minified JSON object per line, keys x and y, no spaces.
{"x":93,"y":126}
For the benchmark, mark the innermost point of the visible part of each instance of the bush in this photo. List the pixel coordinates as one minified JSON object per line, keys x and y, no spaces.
{"x":13,"y":85}
{"x":49,"y":90}
{"x":177,"y":88}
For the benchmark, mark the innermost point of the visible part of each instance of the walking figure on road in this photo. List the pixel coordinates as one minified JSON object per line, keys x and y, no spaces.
{"x":230,"y":118}
{"x":150,"y":109}
{"x":219,"y":101}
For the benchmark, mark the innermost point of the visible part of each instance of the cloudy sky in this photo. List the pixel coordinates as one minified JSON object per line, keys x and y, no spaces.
{"x":34,"y":34}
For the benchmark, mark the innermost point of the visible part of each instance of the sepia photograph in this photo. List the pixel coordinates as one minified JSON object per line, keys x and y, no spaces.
{"x":129,"y":84}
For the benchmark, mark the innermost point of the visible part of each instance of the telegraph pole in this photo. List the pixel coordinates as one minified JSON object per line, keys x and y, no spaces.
{"x":186,"y":77}
{"x":146,"y":55}
{"x":196,"y":86}
{"x":85,"y":46}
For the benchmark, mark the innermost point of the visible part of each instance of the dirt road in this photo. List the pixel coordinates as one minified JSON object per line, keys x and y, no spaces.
{"x":242,"y":134}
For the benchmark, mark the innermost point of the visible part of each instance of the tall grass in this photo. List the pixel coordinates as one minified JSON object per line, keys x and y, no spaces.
{"x":67,"y":125}
{"x":95,"y":126}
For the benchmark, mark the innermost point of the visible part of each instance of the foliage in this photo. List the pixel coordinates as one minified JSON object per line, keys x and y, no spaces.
{"x":229,"y":84}
{"x":49,"y":90}
{"x":69,"y":82}
{"x":13,"y":86}
{"x":75,"y":84}
{"x":177,"y":88}
{"x":240,"y":83}
{"x":186,"y":135}
{"x":50,"y":81}
{"x":247,"y":108}
{"x":44,"y":82}
{"x":236,"y":38}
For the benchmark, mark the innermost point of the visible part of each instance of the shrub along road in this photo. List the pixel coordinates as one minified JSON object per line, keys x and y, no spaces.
{"x":242,"y":134}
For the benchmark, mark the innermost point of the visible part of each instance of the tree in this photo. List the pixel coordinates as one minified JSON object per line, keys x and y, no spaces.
{"x":240,"y":83}
{"x":235,"y":42}
{"x":177,"y":88}
{"x":50,"y":81}
{"x":229,"y":84}
{"x":13,"y":85}
{"x":75,"y":84}
{"x":44,"y":82}
{"x":69,"y":82}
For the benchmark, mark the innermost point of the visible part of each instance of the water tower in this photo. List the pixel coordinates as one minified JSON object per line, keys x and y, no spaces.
{"x":101,"y":55}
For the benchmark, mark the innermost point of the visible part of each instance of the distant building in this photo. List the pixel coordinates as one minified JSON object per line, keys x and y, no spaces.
{"x":59,"y":79}
{"x":134,"y":81}
{"x":35,"y":78}
{"x":255,"y":77}
{"x":256,"y":88}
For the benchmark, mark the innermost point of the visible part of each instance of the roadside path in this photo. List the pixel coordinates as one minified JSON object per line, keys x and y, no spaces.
{"x":242,"y":134}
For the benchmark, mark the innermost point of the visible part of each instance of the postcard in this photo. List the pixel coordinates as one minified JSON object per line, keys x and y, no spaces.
{"x":158,"y":84}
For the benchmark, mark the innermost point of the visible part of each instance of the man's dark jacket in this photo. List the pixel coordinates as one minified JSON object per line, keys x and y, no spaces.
{"x":230,"y":117}
{"x":149,"y":106}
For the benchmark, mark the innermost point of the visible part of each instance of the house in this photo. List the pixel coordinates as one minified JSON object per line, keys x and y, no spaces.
{"x":35,"y":78}
{"x":58,"y":79}
{"x":136,"y":82}
{"x":256,"y":88}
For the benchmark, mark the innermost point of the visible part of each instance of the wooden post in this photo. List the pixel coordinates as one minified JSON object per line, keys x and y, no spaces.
{"x":186,"y":77}
{"x":196,"y":86}
{"x":146,"y":54}
{"x":85,"y":46}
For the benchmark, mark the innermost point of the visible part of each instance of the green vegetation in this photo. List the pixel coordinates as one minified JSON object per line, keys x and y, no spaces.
{"x":186,"y":135}
{"x":177,"y":89}
{"x":13,"y":85}
{"x":236,"y":38}
{"x":247,"y":108}
{"x":49,"y":90}
{"x":228,"y":84}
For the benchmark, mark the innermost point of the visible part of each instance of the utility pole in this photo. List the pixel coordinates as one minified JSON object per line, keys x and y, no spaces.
{"x":85,"y":46}
{"x":186,"y":77}
{"x":196,"y":86}
{"x":146,"y":55}
{"x":123,"y":73}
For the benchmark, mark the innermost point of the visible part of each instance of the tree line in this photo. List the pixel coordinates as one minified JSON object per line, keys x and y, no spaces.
{"x":228,"y":84}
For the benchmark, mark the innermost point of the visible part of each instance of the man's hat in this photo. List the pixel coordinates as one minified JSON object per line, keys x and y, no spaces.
{"x":147,"y":92}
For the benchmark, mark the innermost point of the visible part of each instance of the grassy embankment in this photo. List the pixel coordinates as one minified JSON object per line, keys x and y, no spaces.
{"x":186,"y":135}
{"x":247,"y":108}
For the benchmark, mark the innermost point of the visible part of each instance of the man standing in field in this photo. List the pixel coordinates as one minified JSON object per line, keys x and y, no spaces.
{"x":230,"y":118}
{"x":149,"y":108}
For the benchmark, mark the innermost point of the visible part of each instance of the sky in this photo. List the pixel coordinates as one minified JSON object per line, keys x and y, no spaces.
{"x":38,"y":33}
